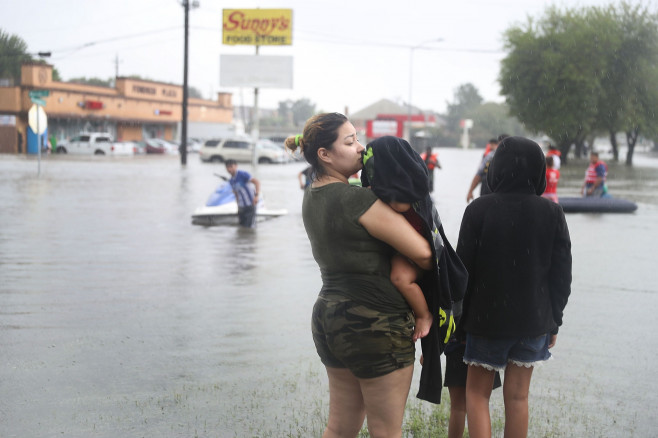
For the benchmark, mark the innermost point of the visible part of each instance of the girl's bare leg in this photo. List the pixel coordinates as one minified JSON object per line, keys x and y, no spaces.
{"x":515,"y":393}
{"x":479,"y":384}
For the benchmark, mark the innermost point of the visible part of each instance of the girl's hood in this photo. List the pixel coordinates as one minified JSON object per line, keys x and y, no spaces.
{"x":518,"y":166}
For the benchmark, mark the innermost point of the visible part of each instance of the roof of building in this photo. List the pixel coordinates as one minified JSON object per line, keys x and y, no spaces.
{"x":383,"y":106}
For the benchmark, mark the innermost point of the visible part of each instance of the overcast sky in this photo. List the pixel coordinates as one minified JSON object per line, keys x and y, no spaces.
{"x":346,"y":53}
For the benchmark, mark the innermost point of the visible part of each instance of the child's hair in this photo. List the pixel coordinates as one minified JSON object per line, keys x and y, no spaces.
{"x":320,"y":131}
{"x":549,"y":161}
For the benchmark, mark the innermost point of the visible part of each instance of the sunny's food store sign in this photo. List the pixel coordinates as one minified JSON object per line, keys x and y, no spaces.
{"x":257,"y":27}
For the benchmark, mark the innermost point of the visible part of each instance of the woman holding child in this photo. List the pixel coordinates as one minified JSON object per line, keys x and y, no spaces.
{"x":361,"y":324}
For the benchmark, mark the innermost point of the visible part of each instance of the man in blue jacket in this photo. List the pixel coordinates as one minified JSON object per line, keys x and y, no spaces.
{"x":246,"y":189}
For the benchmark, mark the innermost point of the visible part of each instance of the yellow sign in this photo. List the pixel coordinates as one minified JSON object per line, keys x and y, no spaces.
{"x":257,"y":27}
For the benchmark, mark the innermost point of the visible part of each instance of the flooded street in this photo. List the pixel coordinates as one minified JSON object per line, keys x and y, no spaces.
{"x":118,"y":317}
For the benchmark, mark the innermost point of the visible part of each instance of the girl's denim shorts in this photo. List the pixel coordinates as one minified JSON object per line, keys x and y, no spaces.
{"x":496,"y":353}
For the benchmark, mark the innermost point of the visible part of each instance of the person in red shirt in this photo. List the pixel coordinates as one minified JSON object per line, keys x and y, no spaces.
{"x":552,"y":178}
{"x":556,"y":154}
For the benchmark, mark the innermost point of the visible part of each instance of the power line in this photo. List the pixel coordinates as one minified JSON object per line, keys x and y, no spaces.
{"x":123,"y":49}
{"x":332,"y":39}
{"x":118,"y":38}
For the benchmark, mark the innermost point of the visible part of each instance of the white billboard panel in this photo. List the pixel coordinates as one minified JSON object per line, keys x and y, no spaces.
{"x":381,"y":128}
{"x":255,"y":71}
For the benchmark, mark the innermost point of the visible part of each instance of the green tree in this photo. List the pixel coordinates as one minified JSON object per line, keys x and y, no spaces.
{"x":92,"y":81}
{"x":581,"y":72}
{"x":284,"y":113}
{"x":13,"y":52}
{"x":56,"y":76}
{"x":194,"y":92}
{"x":491,"y":119}
{"x":302,"y":110}
{"x":627,"y":98}
{"x":466,"y":99}
{"x":551,"y":76}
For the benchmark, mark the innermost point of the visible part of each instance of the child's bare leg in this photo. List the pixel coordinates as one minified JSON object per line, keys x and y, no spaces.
{"x":403,"y":276}
{"x":457,"y":411}
{"x":479,"y":384}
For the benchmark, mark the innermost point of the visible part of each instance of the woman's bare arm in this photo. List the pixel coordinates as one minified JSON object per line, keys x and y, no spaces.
{"x":385,"y":224}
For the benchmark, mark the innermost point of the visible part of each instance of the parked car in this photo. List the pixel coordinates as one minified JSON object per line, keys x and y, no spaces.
{"x":140,"y":147}
{"x":153,"y":146}
{"x":276,"y":152}
{"x":241,"y":149}
{"x":293,"y":156}
{"x":160,"y":146}
{"x":123,"y":148}
{"x":194,"y":145}
{"x":170,"y":146}
{"x":90,"y":143}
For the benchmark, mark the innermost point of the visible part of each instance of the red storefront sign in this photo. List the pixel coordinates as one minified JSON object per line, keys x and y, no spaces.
{"x":93,"y":104}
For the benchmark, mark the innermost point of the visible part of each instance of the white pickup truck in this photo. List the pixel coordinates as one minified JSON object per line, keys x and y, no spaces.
{"x":90,"y":143}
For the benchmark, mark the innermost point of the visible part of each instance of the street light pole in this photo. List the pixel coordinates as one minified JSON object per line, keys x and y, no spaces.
{"x":183,"y":144}
{"x":411,"y":79}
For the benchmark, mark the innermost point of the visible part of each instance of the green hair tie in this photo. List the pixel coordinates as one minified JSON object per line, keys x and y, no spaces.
{"x":297,"y":137}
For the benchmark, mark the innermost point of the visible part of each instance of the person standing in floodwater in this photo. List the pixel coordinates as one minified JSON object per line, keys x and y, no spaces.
{"x":552,"y":178}
{"x":305,"y":178}
{"x":481,"y":174}
{"x":432,"y":162}
{"x":517,"y":250}
{"x":246,"y":189}
{"x":594,"y":185}
{"x":362,"y":326}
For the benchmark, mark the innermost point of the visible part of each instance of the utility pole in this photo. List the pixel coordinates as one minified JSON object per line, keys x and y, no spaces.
{"x":411,"y":80}
{"x":116,"y":66}
{"x":183,"y":144}
{"x":255,"y":127}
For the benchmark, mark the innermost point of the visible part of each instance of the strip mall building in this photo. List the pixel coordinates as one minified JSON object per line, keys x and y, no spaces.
{"x":133,"y":110}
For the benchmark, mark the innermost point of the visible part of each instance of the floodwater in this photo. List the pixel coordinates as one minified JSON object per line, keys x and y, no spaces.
{"x":118,"y":317}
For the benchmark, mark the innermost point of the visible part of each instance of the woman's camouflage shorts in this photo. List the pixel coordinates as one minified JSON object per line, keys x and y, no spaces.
{"x":368,"y":342}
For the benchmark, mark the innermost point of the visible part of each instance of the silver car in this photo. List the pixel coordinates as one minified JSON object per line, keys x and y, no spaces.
{"x":241,"y":149}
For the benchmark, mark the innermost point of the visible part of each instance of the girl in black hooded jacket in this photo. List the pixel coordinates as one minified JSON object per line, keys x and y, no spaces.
{"x":516,"y":248}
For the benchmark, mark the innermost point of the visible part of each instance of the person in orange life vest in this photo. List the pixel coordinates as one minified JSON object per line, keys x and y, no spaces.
{"x":432,"y":162}
{"x":556,"y":154}
{"x":595,"y":176}
{"x":490,"y":144}
{"x":552,"y":178}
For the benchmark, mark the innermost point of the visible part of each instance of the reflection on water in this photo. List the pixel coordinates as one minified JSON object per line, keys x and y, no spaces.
{"x":240,"y":257}
{"x":120,"y":318}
